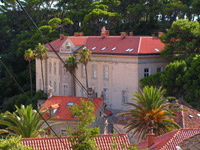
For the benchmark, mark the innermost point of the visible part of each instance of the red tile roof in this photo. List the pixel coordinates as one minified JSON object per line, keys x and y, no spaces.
{"x":170,"y":140}
{"x":108,"y":112}
{"x":115,"y":44}
{"x":103,"y":141}
{"x":188,"y":118}
{"x":56,"y":44}
{"x":63,"y":113}
{"x":123,"y":120}
{"x":77,"y":41}
{"x":150,"y":45}
{"x":192,"y":143}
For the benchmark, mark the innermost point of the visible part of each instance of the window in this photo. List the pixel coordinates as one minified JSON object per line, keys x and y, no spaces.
{"x":65,"y":73}
{"x":159,"y":69}
{"x":83,"y":93}
{"x":93,"y":48}
{"x":94,"y":71}
{"x":83,"y":71}
{"x":124,"y":96}
{"x":95,"y":94}
{"x":54,"y":87}
{"x":63,"y":132}
{"x":70,"y":104}
{"x":52,"y":111}
{"x":54,"y":68}
{"x":40,"y":83}
{"x":50,"y":83}
{"x":50,"y":65}
{"x":68,"y":45}
{"x":129,"y":50}
{"x":105,"y":72}
{"x":146,"y":72}
{"x":103,"y":48}
{"x":66,"y":90}
{"x":114,"y":48}
{"x":105,"y":94}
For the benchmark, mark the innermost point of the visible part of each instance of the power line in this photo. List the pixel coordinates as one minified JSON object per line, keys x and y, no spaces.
{"x":30,"y":101}
{"x":76,"y":79}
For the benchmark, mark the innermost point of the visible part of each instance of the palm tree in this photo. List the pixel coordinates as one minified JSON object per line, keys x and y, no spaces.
{"x":29,"y":55}
{"x":41,"y":53}
{"x":85,"y":57}
{"x":151,"y":114}
{"x":25,"y":121}
{"x":72,"y":64}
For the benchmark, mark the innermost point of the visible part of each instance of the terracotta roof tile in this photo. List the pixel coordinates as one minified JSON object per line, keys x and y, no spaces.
{"x":63,"y":113}
{"x":192,"y":143}
{"x":170,"y":140}
{"x":108,"y":112}
{"x":52,"y":143}
{"x":124,"y":120}
{"x":130,"y":45}
{"x":187,"y":118}
{"x":77,"y":41}
{"x":150,"y":45}
{"x":56,"y":44}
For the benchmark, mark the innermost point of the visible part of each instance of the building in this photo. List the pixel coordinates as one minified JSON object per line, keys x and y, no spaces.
{"x":59,"y":106}
{"x":168,"y":141}
{"x":117,"y":64}
{"x":192,"y":143}
{"x":187,"y":117}
{"x":53,"y":143}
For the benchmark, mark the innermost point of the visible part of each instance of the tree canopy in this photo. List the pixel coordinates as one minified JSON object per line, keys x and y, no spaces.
{"x":142,"y":17}
{"x":150,"y":113}
{"x":25,"y":121}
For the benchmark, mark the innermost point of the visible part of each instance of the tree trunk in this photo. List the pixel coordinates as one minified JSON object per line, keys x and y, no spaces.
{"x":31,"y":79}
{"x":42,"y":75}
{"x":86,"y":77}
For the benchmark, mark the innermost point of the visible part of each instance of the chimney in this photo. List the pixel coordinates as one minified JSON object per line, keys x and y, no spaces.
{"x":104,"y":32}
{"x":103,"y":35}
{"x":150,"y":139}
{"x":130,"y":33}
{"x":107,"y":32}
{"x":160,"y":34}
{"x":153,"y":36}
{"x":123,"y":35}
{"x":62,"y":36}
{"x":81,"y":34}
{"x":90,"y":94}
{"x":76,"y":34}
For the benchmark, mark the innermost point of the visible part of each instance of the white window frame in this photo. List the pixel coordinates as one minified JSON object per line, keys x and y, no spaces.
{"x":94,"y":71}
{"x":124,"y":96}
{"x":83,"y":71}
{"x":106,"y":72}
{"x":105,"y":94}
{"x":159,"y":69}
{"x":146,"y":72}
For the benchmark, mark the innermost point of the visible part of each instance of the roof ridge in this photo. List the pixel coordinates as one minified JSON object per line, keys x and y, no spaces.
{"x":139,"y":45}
{"x":66,"y":137}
